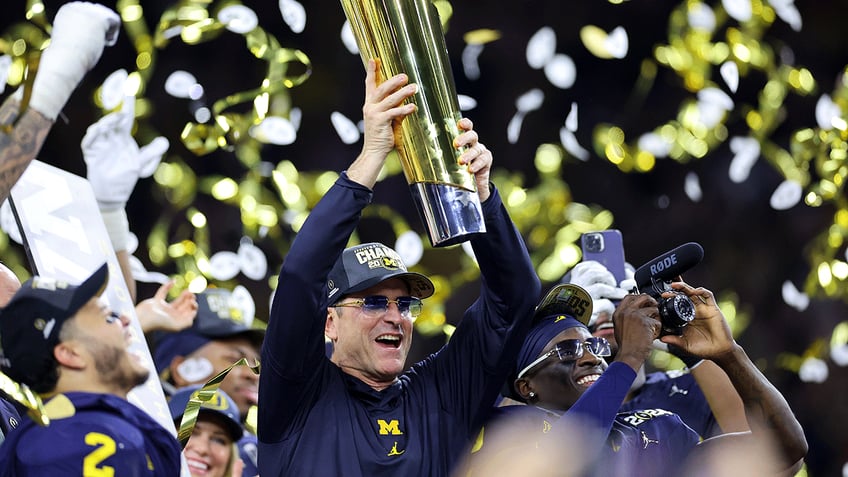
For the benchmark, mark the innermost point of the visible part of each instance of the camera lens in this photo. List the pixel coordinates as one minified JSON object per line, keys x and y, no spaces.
{"x":593,"y":242}
{"x":676,"y":312}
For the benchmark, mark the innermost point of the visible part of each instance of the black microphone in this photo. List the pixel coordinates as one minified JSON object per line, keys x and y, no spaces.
{"x":667,"y":266}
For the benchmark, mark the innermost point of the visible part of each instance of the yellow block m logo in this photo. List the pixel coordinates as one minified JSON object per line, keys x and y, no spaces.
{"x":391,"y":427}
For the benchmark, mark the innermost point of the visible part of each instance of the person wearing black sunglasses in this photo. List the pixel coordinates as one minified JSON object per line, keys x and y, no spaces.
{"x":361,"y":412}
{"x":572,"y":423}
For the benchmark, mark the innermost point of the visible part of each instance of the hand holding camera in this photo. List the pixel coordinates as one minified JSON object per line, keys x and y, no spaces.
{"x":676,"y":309}
{"x":707,"y":336}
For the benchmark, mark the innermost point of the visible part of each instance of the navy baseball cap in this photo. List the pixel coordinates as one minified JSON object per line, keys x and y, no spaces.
{"x":31,"y":321}
{"x":221,"y":405}
{"x":215,"y":319}
{"x":363,"y":266}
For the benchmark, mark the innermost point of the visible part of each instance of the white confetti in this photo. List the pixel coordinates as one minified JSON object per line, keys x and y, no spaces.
{"x":730,"y":74}
{"x":571,"y":119}
{"x":826,"y":112}
{"x":692,"y":187}
{"x":788,"y":12}
{"x":570,"y":143}
{"x":655,"y":144}
{"x":541,"y":47}
{"x":238,"y":19}
{"x":274,"y":130}
{"x":179,"y":84}
{"x":530,"y":101}
{"x":348,"y":39}
{"x":701,"y":17}
{"x":252,"y":260}
{"x":739,"y":10}
{"x":839,"y":355}
{"x":410,"y":248}
{"x":224,"y":265}
{"x":561,"y":71}
{"x":293,"y":14}
{"x":787,"y":195}
{"x":713,"y":103}
{"x":617,"y":43}
{"x":345,"y":128}
{"x":793,"y":297}
{"x":466,"y":103}
{"x":513,"y":129}
{"x":813,"y":370}
{"x":470,"y":65}
{"x":242,"y":300}
{"x":746,"y":152}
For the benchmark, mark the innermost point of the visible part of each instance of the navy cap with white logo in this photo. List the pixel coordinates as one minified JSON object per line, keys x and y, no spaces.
{"x":31,"y":321}
{"x":362,"y":266}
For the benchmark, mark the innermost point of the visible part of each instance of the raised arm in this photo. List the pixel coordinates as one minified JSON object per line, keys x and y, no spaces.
{"x":293,"y":352}
{"x":80,"y":32}
{"x":769,"y":415}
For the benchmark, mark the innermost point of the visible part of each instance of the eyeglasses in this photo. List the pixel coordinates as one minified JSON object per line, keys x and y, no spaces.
{"x":374,"y":305}
{"x":572,"y":350}
{"x":113,"y":317}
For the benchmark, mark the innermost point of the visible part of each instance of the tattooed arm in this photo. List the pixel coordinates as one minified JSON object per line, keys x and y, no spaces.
{"x":80,"y":32}
{"x":20,"y":141}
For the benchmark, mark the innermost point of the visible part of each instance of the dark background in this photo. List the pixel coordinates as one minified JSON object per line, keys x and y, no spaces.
{"x":751,"y":249}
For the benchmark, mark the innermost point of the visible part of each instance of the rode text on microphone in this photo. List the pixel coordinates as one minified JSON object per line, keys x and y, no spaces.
{"x":655,"y":277}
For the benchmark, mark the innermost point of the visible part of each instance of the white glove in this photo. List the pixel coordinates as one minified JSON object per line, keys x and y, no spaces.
{"x":113,"y":159}
{"x":80,"y":32}
{"x":597,"y":280}
{"x":114,"y":163}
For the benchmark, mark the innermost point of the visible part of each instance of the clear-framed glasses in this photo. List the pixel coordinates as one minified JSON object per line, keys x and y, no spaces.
{"x":408,"y":306}
{"x":572,"y":350}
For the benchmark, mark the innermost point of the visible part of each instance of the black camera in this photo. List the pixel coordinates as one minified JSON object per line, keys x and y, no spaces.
{"x":655,"y":277}
{"x":675,"y":313}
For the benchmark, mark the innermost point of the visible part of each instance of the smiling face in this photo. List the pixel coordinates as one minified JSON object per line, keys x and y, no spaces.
{"x":209,"y":449}
{"x":371,"y":346}
{"x":558,"y":384}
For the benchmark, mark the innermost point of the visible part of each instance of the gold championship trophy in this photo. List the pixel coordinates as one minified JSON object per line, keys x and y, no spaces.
{"x":407,"y":37}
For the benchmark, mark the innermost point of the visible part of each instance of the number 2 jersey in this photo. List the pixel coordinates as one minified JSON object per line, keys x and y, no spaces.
{"x":93,"y":435}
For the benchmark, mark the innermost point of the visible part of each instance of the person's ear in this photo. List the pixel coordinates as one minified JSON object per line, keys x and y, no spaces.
{"x":69,"y":355}
{"x":330,"y":330}
{"x":525,"y":390}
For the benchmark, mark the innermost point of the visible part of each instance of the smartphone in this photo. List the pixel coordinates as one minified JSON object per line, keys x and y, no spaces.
{"x":606,"y":247}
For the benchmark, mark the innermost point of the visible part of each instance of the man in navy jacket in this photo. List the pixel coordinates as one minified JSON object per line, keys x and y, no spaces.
{"x":358,"y":413}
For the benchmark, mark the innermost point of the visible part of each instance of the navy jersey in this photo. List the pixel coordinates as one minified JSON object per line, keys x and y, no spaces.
{"x":678,"y":392}
{"x":643,"y":442}
{"x":316,"y":420}
{"x":91,"y":434}
{"x":9,"y":417}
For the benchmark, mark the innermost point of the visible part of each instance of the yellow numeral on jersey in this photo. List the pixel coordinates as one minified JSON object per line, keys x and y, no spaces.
{"x":92,"y":461}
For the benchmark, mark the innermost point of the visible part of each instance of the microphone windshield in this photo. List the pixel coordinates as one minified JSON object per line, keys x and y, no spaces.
{"x":669,"y":265}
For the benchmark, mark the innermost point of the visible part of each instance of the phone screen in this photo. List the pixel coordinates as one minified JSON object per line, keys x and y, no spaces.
{"x":606,"y":247}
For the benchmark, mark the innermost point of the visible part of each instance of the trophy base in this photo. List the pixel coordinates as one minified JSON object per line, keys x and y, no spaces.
{"x":450,"y":214}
